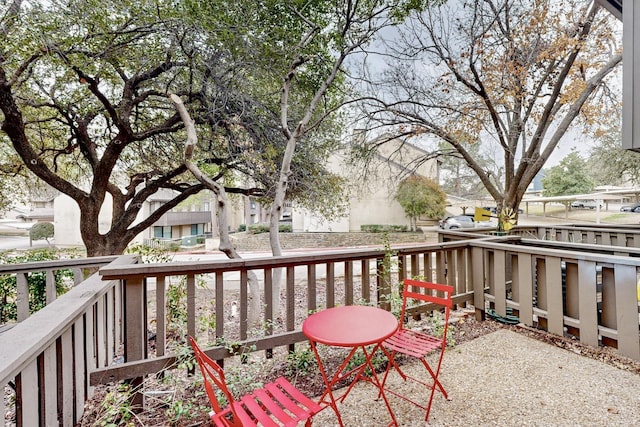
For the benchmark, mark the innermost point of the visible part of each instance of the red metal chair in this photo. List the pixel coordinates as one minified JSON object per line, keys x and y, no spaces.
{"x":276,"y":404}
{"x":419,"y":344}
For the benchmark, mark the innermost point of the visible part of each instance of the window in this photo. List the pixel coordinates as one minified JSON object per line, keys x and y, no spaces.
{"x":162,"y":232}
{"x":197,"y":229}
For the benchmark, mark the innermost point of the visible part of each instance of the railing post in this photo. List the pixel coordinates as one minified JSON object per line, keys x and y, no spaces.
{"x":523,"y":283}
{"x":587,"y":300}
{"x":627,"y":311}
{"x":51,"y":292}
{"x":477,"y":279}
{"x":500,"y":282}
{"x":554,"y":296}
{"x":22,"y":296}
{"x":135,"y":332}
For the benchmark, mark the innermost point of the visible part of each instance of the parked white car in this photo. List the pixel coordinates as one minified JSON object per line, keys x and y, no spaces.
{"x":585,"y":204}
{"x":458,"y":221}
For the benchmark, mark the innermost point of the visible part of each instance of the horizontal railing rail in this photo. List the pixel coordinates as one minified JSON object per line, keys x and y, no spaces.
{"x":77,"y":266}
{"x":617,"y":235}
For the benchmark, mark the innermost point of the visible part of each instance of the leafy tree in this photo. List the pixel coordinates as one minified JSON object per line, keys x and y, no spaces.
{"x":570,"y":176}
{"x":81,"y":107}
{"x":512,"y":74}
{"x":331,"y":33}
{"x":610,"y":164}
{"x":89,"y":115}
{"x":421,"y":196}
{"x":41,"y":231}
{"x":302,"y":49}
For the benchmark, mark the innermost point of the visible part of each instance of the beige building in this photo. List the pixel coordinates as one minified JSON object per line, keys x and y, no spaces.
{"x":181,"y":225}
{"x":371,"y":194}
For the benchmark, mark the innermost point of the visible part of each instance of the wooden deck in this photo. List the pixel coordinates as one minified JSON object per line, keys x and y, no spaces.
{"x":60,"y":353}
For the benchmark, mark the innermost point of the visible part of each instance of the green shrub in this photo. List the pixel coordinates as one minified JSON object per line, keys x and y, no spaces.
{"x":301,"y":362}
{"x":41,"y":231}
{"x":285,"y":228}
{"x":264,"y":228}
{"x":383,"y":228}
{"x":258,"y":228}
{"x":242,"y":227}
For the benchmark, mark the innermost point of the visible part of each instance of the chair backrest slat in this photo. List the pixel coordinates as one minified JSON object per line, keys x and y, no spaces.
{"x":445,"y":302}
{"x":434,"y":293}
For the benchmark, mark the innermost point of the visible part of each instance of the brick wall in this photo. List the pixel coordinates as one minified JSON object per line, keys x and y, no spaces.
{"x":260,"y":242}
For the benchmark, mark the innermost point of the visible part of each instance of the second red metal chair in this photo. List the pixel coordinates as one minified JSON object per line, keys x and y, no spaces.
{"x":418,"y":344}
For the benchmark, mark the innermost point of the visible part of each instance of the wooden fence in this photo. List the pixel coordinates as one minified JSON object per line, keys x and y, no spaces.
{"x":51,"y":361}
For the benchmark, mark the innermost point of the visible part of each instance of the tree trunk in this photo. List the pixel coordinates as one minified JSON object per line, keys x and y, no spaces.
{"x":226,"y":246}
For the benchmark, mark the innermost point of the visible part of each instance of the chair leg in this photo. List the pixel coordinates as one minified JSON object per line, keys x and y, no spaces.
{"x":435,"y":379}
{"x":433,"y":390}
{"x":391,"y":364}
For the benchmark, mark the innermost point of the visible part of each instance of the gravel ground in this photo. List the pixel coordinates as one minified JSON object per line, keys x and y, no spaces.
{"x":496,"y":375}
{"x":506,"y":378}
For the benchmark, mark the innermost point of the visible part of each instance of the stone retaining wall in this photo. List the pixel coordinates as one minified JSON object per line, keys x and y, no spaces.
{"x":260,"y":242}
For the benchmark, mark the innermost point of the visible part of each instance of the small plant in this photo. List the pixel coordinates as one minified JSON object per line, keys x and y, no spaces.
{"x":301,"y":362}
{"x":115,"y":407}
{"x":379,"y":360}
{"x":177,"y":304}
{"x":37,"y":281}
{"x":246,"y":377}
{"x":149,"y":254}
{"x":436,"y":325}
{"x":385,"y":268}
{"x":242,"y":227}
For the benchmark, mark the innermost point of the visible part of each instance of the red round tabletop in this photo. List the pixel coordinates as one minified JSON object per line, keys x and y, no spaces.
{"x":350,"y":326}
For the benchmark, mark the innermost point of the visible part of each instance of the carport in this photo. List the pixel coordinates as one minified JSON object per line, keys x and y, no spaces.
{"x":605,"y":197}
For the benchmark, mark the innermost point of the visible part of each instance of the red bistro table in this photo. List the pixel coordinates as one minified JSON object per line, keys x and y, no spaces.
{"x":355,"y":327}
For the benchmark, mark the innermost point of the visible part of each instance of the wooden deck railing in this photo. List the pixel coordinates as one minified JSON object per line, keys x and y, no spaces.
{"x":590,"y":296}
{"x":619,"y":235}
{"x":46,"y":359}
{"x":77,"y":266}
{"x":52,"y":360}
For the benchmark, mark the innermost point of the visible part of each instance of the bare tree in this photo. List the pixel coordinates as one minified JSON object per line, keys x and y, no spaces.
{"x":512,"y":73}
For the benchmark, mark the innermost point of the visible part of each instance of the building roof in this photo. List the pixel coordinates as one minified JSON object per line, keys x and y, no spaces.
{"x":37,"y":214}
